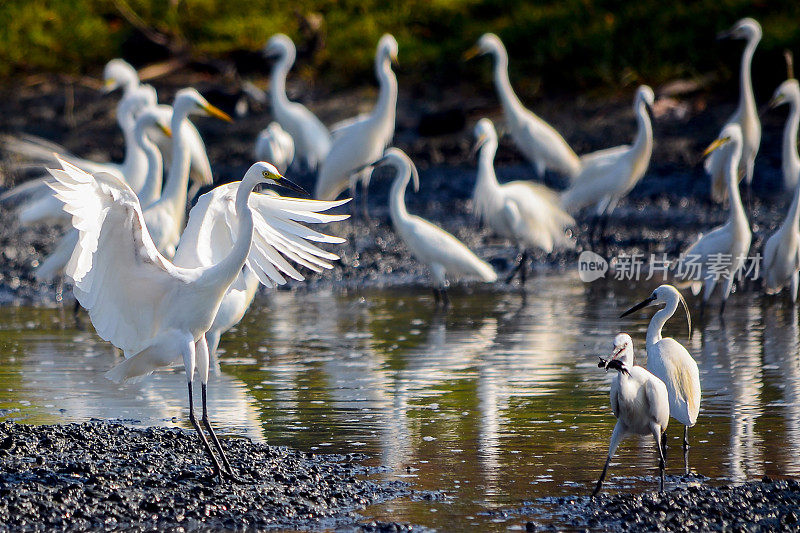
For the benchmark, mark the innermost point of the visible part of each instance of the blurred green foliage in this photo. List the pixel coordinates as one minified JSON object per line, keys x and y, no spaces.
{"x":553,"y":44}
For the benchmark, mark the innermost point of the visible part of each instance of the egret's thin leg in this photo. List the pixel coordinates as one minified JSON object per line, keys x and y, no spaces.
{"x":523,"y":267}
{"x":202,"y":358}
{"x":686,"y":449}
{"x":436,"y":296}
{"x":664,"y":443}
{"x":214,"y":439}
{"x":616,"y":437}
{"x":685,"y":436}
{"x":602,"y":477}
{"x":517,"y":267}
{"x":206,"y":447}
{"x":365,"y":202}
{"x":662,"y":462}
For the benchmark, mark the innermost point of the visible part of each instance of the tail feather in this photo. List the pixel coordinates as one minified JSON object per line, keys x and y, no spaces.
{"x":163,"y":350}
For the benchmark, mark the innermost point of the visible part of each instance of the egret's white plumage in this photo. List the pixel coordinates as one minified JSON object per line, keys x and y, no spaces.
{"x":363,"y":141}
{"x":155,"y":311}
{"x":274,"y":144}
{"x":639,"y":401}
{"x":745,"y":116}
{"x":789,"y":92}
{"x":668,"y":359}
{"x":608,"y":175}
{"x":527,"y":213}
{"x":442,"y":252}
{"x":538,"y":141}
{"x":311,"y":138}
{"x":721,"y":253}
{"x":211,"y":232}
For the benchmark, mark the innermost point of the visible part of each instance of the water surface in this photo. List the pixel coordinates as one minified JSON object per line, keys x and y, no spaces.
{"x":495,"y":402}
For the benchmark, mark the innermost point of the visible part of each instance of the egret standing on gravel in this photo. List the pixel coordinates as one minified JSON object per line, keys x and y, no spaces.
{"x":668,"y":360}
{"x":608,"y":175}
{"x":539,"y":142}
{"x":441,"y":251}
{"x":312,"y":141}
{"x":639,"y":402}
{"x":727,"y":245}
{"x":156,"y":312}
{"x":745,"y":116}
{"x":362,"y":141}
{"x":525,"y":212}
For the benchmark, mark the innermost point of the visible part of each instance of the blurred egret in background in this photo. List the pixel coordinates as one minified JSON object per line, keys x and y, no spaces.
{"x":638,"y":400}
{"x":745,"y":116}
{"x":439,"y":250}
{"x":539,"y":142}
{"x":527,"y":213}
{"x":311,"y":138}
{"x":275,"y":145}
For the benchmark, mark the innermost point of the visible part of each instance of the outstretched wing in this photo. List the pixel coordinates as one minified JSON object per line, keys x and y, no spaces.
{"x":279,"y":237}
{"x":119,"y":276}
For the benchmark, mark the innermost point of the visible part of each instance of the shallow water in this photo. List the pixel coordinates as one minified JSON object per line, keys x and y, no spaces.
{"x":496,"y":402}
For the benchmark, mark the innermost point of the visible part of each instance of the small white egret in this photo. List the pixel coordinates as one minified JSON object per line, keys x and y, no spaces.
{"x":745,"y":116}
{"x":638,"y":400}
{"x":363,"y":141}
{"x":311,"y":138}
{"x":670,"y":362}
{"x":274,"y":144}
{"x":538,"y":141}
{"x":608,"y":175}
{"x":211,"y":232}
{"x":527,"y":213}
{"x":431,"y":245}
{"x":156,"y":312}
{"x":165,"y":216}
{"x":722,"y":253}
{"x":119,"y":74}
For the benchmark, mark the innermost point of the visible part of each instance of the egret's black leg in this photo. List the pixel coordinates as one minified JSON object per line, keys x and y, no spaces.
{"x":602,"y":477}
{"x":365,"y":203}
{"x":206,"y":447}
{"x":436,"y":296}
{"x":523,"y":267}
{"x":722,"y":306}
{"x":664,"y":444}
{"x":686,"y":449}
{"x":517,"y":267}
{"x":215,"y":440}
{"x":662,"y":461}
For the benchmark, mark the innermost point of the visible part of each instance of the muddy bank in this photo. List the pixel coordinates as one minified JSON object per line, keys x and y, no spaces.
{"x":104,"y":476}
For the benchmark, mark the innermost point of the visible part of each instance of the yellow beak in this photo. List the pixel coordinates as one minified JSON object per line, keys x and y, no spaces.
{"x":109,"y":85}
{"x":472,"y":52}
{"x":774,"y":102}
{"x":217,"y":113}
{"x":164,"y":129}
{"x":716,"y":144}
{"x":394,"y":58}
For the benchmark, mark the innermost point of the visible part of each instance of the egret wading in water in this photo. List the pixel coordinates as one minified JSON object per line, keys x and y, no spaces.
{"x":538,"y":141}
{"x":722,"y":253}
{"x":154,"y":311}
{"x":745,"y":116}
{"x":668,"y":360}
{"x":362,"y":141}
{"x":312,"y":141}
{"x":439,"y":250}
{"x":274,"y":144}
{"x":782,"y":249}
{"x":527,"y":213}
{"x":608,"y":175}
{"x":638,"y":400}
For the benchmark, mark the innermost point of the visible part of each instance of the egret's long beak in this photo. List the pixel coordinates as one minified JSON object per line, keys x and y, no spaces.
{"x":477,"y":146}
{"x":393,"y":57}
{"x":164,"y":129}
{"x":716,"y":144}
{"x":472,"y":52}
{"x":775,"y":101}
{"x":283,"y":181}
{"x":109,"y":85}
{"x":727,"y":34}
{"x":640,"y":305}
{"x":216,"y":112}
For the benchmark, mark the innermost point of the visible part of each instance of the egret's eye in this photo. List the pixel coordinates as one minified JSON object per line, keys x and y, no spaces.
{"x":265,"y":173}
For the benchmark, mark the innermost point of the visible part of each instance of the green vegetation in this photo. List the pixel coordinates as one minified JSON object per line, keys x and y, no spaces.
{"x":553,"y":43}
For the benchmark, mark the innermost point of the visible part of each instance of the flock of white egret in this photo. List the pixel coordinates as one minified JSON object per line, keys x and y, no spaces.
{"x":163,"y":289}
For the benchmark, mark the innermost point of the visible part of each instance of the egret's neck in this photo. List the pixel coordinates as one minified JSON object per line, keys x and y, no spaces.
{"x":506,"y":94}
{"x":487,"y":179}
{"x":658,"y":321}
{"x":135,"y":162}
{"x":737,"y":214}
{"x":746,"y":98}
{"x":175,"y":189}
{"x":386,"y":106}
{"x":152,"y":183}
{"x":791,"y":159}
{"x":225,"y":272}
{"x":643,"y":143}
{"x":278,"y":81}
{"x":397,"y":203}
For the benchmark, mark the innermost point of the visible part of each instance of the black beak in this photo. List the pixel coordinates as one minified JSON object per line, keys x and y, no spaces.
{"x":724,"y":35}
{"x":292,"y":186}
{"x":638,"y":306}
